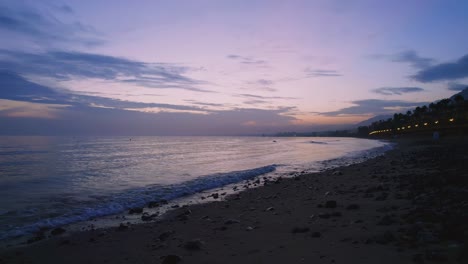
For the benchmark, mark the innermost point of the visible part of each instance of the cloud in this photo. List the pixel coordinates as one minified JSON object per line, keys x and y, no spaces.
{"x":374,"y":107}
{"x":444,"y":71}
{"x":15,"y":87}
{"x":41,"y":27}
{"x":412,"y":57}
{"x":265,"y":97}
{"x":453,"y":86}
{"x":397,"y":90}
{"x":64,"y":65}
{"x":311,"y":73}
{"x":247,"y":59}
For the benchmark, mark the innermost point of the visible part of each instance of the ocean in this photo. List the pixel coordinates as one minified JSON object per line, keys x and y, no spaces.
{"x":47,"y":182}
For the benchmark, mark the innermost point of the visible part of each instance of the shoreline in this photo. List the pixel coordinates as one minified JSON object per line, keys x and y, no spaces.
{"x":362,"y":213}
{"x":155,"y":213}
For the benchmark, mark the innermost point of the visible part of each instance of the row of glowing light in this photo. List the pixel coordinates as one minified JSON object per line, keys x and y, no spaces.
{"x":403,"y":128}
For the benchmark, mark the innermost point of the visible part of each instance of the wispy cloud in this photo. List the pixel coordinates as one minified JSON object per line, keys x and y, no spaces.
{"x":444,"y":71}
{"x":312,"y":73}
{"x":413,"y":58}
{"x":63,"y":65}
{"x":373,"y":107}
{"x":42,"y":27}
{"x":265,"y":97}
{"x":247,"y":60}
{"x":397,"y":90}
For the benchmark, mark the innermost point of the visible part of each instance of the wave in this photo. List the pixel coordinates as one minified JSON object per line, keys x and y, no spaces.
{"x":138,"y":198}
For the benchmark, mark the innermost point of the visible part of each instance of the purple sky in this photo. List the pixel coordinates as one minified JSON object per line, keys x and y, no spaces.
{"x":223,"y":67}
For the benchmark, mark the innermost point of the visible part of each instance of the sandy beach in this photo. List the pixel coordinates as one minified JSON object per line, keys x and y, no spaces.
{"x":407,"y":206}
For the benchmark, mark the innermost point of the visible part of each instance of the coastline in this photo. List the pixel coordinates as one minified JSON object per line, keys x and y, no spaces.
{"x":382,"y":214}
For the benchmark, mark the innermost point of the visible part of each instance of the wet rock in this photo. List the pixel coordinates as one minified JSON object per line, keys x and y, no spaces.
{"x":193,"y":245}
{"x":171,"y":259}
{"x":331,"y":204}
{"x":154,"y":204}
{"x":57,"y":231}
{"x":36,"y":238}
{"x":136,"y":210}
{"x":148,"y":217}
{"x":302,"y":229}
{"x":215,"y":195}
{"x":353,"y":207}
{"x":122,"y":227}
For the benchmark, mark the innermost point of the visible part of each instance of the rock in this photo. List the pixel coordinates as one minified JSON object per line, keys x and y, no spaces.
{"x":148,"y":217}
{"x":57,"y":231}
{"x":193,"y":245}
{"x":353,"y":207}
{"x":165,"y":235}
{"x":336,"y":214}
{"x":316,"y":234}
{"x":324,"y":215}
{"x":136,"y":210}
{"x":303,"y":229}
{"x":231,"y":221}
{"x":215,"y":195}
{"x":385,"y":238}
{"x":122,"y":227}
{"x":175,"y":206}
{"x":386,"y":220}
{"x":171,"y":259}
{"x":330,"y":204}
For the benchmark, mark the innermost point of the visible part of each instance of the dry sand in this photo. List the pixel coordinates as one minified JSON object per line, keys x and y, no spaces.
{"x":408,"y":206}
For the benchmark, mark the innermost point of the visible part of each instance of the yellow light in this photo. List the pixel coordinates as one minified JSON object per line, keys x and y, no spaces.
{"x":425,"y":124}
{"x":451,"y":119}
{"x":398,"y":128}
{"x":403,"y":128}
{"x":409,"y":126}
{"x":436,"y":122}
{"x":416,"y":125}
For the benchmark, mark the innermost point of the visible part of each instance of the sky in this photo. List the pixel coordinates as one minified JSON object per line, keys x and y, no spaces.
{"x":198,"y":67}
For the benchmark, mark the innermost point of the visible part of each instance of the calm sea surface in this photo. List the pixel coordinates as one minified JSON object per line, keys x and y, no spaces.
{"x":52,"y":181}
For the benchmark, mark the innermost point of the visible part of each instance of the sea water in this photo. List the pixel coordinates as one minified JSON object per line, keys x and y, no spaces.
{"x":54,"y":181}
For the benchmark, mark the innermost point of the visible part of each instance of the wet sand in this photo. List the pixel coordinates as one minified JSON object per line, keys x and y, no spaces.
{"x":408,"y":206}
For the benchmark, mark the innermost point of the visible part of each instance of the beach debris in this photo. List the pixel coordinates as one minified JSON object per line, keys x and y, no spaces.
{"x":171,"y":259}
{"x":57,"y":231}
{"x":193,"y":245}
{"x":353,"y":207}
{"x":249,"y":228}
{"x":270,"y":209}
{"x":136,"y":210}
{"x":330,"y":204}
{"x":301,"y":229}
